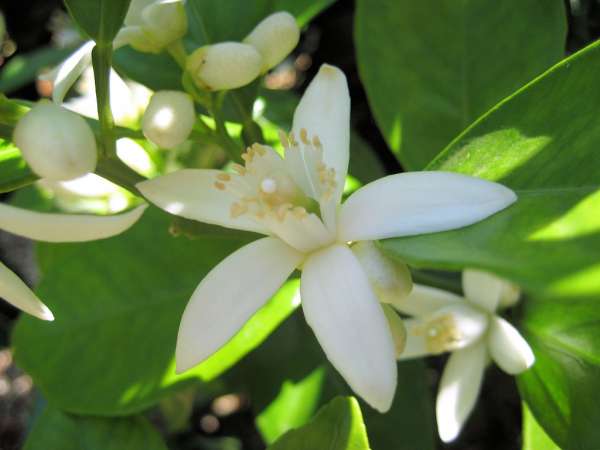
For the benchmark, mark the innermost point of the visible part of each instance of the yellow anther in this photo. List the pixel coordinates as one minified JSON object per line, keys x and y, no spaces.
{"x":237,"y":210}
{"x":224,"y":177}
{"x":247,"y":156}
{"x":219,"y":185}
{"x":241,"y":170}
{"x":300,"y":212}
{"x":304,"y":136}
{"x":282,"y":210}
{"x":283,"y":139}
{"x":292,"y":139}
{"x":257,"y":148}
{"x":317,"y":142}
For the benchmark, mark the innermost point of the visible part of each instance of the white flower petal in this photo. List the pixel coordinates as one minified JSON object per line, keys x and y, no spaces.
{"x":397,"y":328}
{"x":416,"y":340}
{"x":15,"y":292}
{"x":229,"y":295}
{"x":419,"y":202}
{"x":51,"y":227}
{"x":459,"y":388}
{"x":425,"y":300}
{"x":191,"y":193}
{"x":488,"y":290}
{"x":349,"y":323}
{"x":70,"y":69}
{"x":508,"y":348}
{"x":324,"y":110}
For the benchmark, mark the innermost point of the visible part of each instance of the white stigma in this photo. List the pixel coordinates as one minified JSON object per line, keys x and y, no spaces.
{"x":268,"y":186}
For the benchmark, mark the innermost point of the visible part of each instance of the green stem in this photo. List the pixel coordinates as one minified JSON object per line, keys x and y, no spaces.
{"x":232,"y":149}
{"x":101,"y":61}
{"x":115,"y":170}
{"x":178,"y":53}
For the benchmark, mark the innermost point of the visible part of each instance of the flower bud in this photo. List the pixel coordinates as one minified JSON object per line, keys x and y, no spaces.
{"x":56,"y":143}
{"x":274,"y":38}
{"x":390,"y":279}
{"x":169,"y":118}
{"x":152,"y":27}
{"x":227,"y":65}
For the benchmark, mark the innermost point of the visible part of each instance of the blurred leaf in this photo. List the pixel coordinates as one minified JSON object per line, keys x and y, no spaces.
{"x":432,"y":67}
{"x":543,"y":143}
{"x":337,"y":426}
{"x":23,"y":68}
{"x":156,"y":71}
{"x":534,"y":436}
{"x":14,"y":171}
{"x":57,"y":430}
{"x":117,"y":304}
{"x":99,"y":19}
{"x":561,"y":388}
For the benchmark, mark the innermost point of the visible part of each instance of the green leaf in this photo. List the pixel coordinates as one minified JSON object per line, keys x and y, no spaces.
{"x":216,"y":21}
{"x":57,"y":430}
{"x":117,"y":304}
{"x":543,"y":143}
{"x":99,"y":19}
{"x":561,"y":388}
{"x":291,"y":363}
{"x":156,"y":71}
{"x":337,"y":426}
{"x":432,"y":67}
{"x":22,"y":69}
{"x":14,"y":171}
{"x":534,"y":436}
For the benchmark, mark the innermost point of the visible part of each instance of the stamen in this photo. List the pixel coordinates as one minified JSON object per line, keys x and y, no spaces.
{"x":238,"y":209}
{"x":293,"y":140}
{"x":300,"y":212}
{"x":224,"y":177}
{"x":304,"y":136}
{"x":441,"y":334}
{"x":219,"y":185}
{"x":283,"y":138}
{"x":317,"y":142}
{"x":241,"y":170}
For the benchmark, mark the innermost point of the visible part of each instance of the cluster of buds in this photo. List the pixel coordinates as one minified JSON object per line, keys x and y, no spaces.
{"x":151,"y":26}
{"x":229,"y":65}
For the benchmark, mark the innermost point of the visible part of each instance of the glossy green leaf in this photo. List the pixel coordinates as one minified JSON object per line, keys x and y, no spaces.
{"x":117,"y":304}
{"x":156,"y":71}
{"x":99,"y":19}
{"x":23,"y":69}
{"x":337,"y":426}
{"x":216,"y":21}
{"x":14,"y":171}
{"x":561,"y":388}
{"x":432,"y":67}
{"x":543,"y":143}
{"x":534,"y":436}
{"x":54,"y":429}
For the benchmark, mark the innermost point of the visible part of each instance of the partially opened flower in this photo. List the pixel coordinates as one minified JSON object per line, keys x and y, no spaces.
{"x":471,"y":329}
{"x":50,"y":227}
{"x":295,"y":201}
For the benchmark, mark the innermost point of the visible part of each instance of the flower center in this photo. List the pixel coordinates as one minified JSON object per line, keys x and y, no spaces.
{"x":268,"y":186}
{"x":441,"y":334}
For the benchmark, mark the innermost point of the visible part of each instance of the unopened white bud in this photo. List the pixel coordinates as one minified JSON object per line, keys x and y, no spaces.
{"x":227,"y":65}
{"x":56,"y":143}
{"x":390,"y":279}
{"x":274,"y":37}
{"x":169,"y":118}
{"x":152,"y":27}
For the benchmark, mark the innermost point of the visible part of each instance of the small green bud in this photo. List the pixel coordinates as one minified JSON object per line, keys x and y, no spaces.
{"x":169,"y":118}
{"x":56,"y":143}
{"x":274,"y":37}
{"x":227,"y":65}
